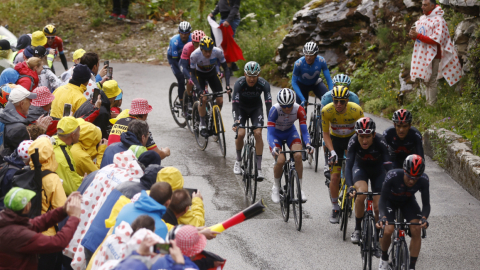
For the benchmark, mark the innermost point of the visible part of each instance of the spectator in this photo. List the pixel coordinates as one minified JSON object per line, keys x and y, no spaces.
{"x":196,"y":214}
{"x":120,"y":9}
{"x":21,"y":239}
{"x":67,"y":75}
{"x":229,"y":13}
{"x":22,"y":42}
{"x":53,"y":195}
{"x":137,"y":134}
{"x":111,"y":91}
{"x":433,"y":41}
{"x":9,"y":75}
{"x":138,"y":150}
{"x":47,"y":77}
{"x":41,"y":106}
{"x":16,"y":161}
{"x":178,"y":206}
{"x":89,"y":147}
{"x":37,"y":38}
{"x":68,"y":134}
{"x":14,"y":116}
{"x":153,"y":206}
{"x":125,"y":168}
{"x":30,"y":71}
{"x":35,"y":131}
{"x":72,"y":93}
{"x":116,"y":109}
{"x":139,"y":110}
{"x":6,"y":51}
{"x":91,"y":60}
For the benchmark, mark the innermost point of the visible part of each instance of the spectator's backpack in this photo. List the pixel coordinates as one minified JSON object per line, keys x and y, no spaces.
{"x":31,"y":80}
{"x":32,"y":180}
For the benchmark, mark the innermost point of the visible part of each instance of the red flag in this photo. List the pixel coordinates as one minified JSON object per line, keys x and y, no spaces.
{"x":231,"y":50}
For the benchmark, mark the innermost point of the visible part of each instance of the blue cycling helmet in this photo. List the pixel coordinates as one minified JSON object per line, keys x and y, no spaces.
{"x":342,"y":78}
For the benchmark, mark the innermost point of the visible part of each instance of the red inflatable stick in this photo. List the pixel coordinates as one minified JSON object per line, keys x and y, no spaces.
{"x":250,"y":212}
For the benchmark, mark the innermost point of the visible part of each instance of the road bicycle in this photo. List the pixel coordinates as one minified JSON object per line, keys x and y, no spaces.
{"x":213,"y":120}
{"x":187,"y":107}
{"x":400,"y":252}
{"x":368,"y":237}
{"x":290,"y":189}
{"x":344,"y":202}
{"x":315,"y":131}
{"x":249,"y":163}
{"x":176,"y":106}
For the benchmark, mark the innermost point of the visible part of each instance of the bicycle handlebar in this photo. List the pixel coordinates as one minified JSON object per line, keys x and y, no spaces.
{"x":215,"y":93}
{"x":368,"y":193}
{"x":249,"y":127}
{"x":424,"y":230}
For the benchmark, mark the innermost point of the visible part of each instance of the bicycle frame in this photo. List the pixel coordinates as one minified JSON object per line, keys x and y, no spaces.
{"x":215,"y":119}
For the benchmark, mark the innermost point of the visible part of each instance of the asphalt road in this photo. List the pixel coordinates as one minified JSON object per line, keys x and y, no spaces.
{"x":267,"y":242}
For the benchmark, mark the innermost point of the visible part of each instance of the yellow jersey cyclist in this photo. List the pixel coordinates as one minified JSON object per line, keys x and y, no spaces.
{"x":338,"y":122}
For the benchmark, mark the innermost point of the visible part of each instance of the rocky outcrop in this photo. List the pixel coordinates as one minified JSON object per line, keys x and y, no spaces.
{"x":463,"y":39}
{"x":460,"y":163}
{"x":470,"y":7}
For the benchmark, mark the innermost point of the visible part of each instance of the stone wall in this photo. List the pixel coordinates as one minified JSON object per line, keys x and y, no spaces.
{"x":460,"y":164}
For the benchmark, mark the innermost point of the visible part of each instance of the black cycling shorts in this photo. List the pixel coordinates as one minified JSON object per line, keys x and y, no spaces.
{"x":254,"y":114}
{"x":375,"y":174}
{"x":213,"y":81}
{"x":410,"y":210}
{"x":340,"y":145}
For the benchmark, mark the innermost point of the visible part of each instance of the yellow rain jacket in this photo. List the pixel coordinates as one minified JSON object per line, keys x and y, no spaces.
{"x":53,"y":195}
{"x":70,"y":94}
{"x":66,"y":166}
{"x":86,"y":150}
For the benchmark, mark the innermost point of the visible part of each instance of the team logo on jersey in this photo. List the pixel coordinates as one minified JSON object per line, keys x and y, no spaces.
{"x":309,"y":77}
{"x":298,"y":64}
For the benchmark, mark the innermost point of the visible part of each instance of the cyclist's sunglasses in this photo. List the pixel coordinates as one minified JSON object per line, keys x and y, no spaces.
{"x":415,"y":178}
{"x":342,"y":101}
{"x":366,"y":131}
{"x":50,"y":37}
{"x":184,"y":32}
{"x":286,"y":106}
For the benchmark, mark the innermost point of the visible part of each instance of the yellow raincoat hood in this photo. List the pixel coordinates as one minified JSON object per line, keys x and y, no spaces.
{"x":45,"y":153}
{"x":90,"y":137}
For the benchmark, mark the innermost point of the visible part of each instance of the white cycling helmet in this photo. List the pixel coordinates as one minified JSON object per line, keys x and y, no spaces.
{"x":342,"y":78}
{"x":310,"y":48}
{"x":184,"y":27}
{"x":286,"y":97}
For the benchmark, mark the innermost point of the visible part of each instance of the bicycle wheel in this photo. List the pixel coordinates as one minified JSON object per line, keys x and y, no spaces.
{"x":201,"y":141}
{"x":285,"y":194}
{"x":246,"y":181}
{"x":341,"y":204}
{"x":371,"y":240}
{"x":176,"y":106}
{"x":296,"y":200}
{"x":220,"y":131}
{"x":345,"y":217}
{"x":186,"y":101}
{"x":311,"y":132}
{"x":402,"y":256}
{"x":252,"y":171}
{"x":364,"y":242}
{"x":318,"y":142}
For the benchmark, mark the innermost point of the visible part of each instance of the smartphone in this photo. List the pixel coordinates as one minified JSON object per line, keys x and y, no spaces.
{"x":106,"y":63}
{"x":191,"y":191}
{"x":96,"y":92}
{"x":67,"y":109}
{"x":109,"y":72}
{"x":163,"y":248}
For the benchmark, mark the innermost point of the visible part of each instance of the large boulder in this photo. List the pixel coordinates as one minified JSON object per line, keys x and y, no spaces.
{"x":412,"y":3}
{"x":463,"y":39}
{"x":470,"y":7}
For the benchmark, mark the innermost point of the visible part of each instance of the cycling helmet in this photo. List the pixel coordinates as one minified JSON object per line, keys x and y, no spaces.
{"x":340,"y":92}
{"x":365,"y":125}
{"x":184,"y":27}
{"x":197,"y":35}
{"x":286,"y":97}
{"x":414,"y":165}
{"x":252,"y":68}
{"x":402,"y":116}
{"x":310,"y":48}
{"x":206,"y":43}
{"x":49,"y":30}
{"x":342,"y":78}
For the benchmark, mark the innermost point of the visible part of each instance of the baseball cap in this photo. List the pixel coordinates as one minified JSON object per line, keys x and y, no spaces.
{"x":23,"y":41}
{"x":19,"y":93}
{"x":140,"y":106}
{"x":172,"y":176}
{"x":120,"y":96}
{"x":78,"y":54}
{"x":81,"y":73}
{"x":4,"y":44}
{"x":17,"y":198}
{"x":111,"y":89}
{"x":38,"y":39}
{"x":44,"y":97}
{"x":68,"y":124}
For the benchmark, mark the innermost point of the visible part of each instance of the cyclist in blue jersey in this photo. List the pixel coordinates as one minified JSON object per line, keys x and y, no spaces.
{"x":174,"y":52}
{"x":281,"y":120}
{"x":306,"y":73}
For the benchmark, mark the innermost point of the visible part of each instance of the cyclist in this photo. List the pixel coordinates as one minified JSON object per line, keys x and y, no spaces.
{"x":54,"y":43}
{"x":197,"y":35}
{"x":367,"y":158}
{"x":338,"y":80}
{"x":174,"y":51}
{"x":281,"y":119}
{"x":306,"y":73}
{"x":203,"y":60}
{"x":398,"y":192}
{"x":403,"y":139}
{"x":247,"y":103}
{"x":338,"y":122}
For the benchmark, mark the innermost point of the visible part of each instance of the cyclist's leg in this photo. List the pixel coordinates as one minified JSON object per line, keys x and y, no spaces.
{"x":412,"y":213}
{"x":361,"y":185}
{"x":295,"y":144}
{"x":387,"y":233}
{"x":201,"y":80}
{"x":376,"y":176}
{"x":241,"y":134}
{"x":319,"y":90}
{"x":179,"y":75}
{"x":257,"y":119}
{"x":216,"y":86}
{"x":339,"y":145}
{"x":278,"y":137}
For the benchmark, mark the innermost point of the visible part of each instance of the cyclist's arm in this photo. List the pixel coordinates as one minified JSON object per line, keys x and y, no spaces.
{"x":272,"y":118}
{"x":184,"y":68}
{"x":326,"y":130}
{"x":326,"y":74}
{"x":236,"y":101}
{"x":193,"y":64}
{"x":302,"y":119}
{"x":64,"y":60}
{"x":425,"y":197}
{"x":387,"y":161}
{"x":267,"y":96}
{"x":418,"y":144}
{"x":354,"y":98}
{"x":387,"y":186}
{"x":350,"y":161}
{"x":227,"y":73}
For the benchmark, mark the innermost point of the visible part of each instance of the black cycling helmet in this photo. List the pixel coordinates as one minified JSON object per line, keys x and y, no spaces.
{"x":49,"y":30}
{"x":402,"y":116}
{"x":414,"y":165}
{"x":365,"y":125}
{"x":206,"y":43}
{"x":340,"y":92}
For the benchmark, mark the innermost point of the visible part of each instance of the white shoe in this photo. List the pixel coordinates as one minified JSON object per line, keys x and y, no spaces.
{"x":275,"y":195}
{"x":236,"y":167}
{"x":304,"y":197}
{"x":355,"y":238}
{"x":383,"y":265}
{"x":325,"y":168}
{"x":260,"y":175}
